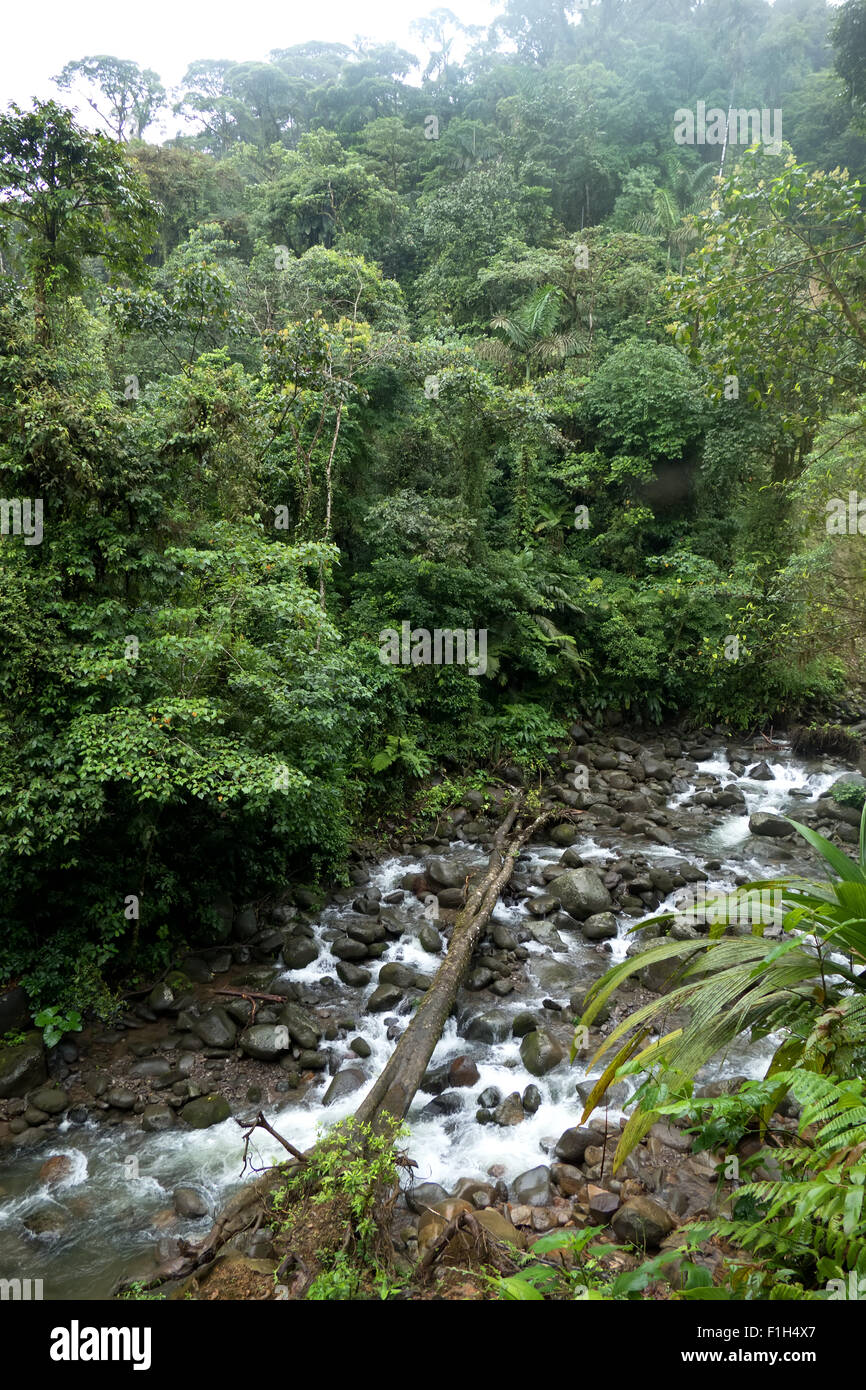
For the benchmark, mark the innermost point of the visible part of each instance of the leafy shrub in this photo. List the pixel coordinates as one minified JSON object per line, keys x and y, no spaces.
{"x":850,"y":794}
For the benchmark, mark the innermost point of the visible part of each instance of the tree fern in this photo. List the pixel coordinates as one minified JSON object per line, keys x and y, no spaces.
{"x":812,"y":1215}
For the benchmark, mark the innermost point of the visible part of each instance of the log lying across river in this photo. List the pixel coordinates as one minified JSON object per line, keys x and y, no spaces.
{"x":393,"y":1092}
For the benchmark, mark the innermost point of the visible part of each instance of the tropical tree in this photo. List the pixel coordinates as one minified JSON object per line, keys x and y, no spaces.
{"x":128,"y":97}
{"x":66,"y":194}
{"x":533,"y":333}
{"x":848,"y":36}
{"x":207,"y":97}
{"x":672,"y":214}
{"x":775,"y":293}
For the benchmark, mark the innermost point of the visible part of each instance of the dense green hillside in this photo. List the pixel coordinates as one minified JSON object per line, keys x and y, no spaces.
{"x":476,"y":347}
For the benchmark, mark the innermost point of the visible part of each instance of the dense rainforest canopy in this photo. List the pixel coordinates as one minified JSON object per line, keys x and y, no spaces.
{"x":470,"y":344}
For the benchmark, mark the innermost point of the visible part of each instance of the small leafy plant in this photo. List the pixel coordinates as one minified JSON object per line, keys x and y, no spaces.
{"x":55,"y":1023}
{"x":588,"y":1278}
{"x":354,"y":1171}
{"x":850,"y":794}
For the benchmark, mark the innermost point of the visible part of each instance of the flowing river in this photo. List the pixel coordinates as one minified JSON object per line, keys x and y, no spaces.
{"x":119,"y":1181}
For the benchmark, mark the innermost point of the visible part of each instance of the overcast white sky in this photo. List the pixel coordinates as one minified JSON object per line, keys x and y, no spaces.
{"x":167,"y":35}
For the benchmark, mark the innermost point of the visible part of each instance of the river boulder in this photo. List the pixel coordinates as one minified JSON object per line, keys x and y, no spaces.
{"x":347,"y":1081}
{"x":540,"y":1053}
{"x":205,"y":1111}
{"x":765,"y":823}
{"x":265,"y":1041}
{"x":581,"y":893}
{"x":642,"y":1222}
{"x":22,"y":1066}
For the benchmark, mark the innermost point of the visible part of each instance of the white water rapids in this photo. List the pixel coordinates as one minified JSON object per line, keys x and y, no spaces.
{"x":110,"y":1202}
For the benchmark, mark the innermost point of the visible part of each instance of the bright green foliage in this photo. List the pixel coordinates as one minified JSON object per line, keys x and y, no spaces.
{"x":849,"y":794}
{"x":775,"y":296}
{"x":128,"y":96}
{"x":67,"y":194}
{"x":354,"y":1171}
{"x":353,"y":352}
{"x":55,"y":1024}
{"x":589,"y":1279}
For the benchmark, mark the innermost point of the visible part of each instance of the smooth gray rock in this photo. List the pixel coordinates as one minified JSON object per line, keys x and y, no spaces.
{"x":347,"y":1080}
{"x":540,"y":1053}
{"x":384,"y":997}
{"x":22,"y":1066}
{"x":599,"y":927}
{"x":765,"y":823}
{"x":532,"y":1188}
{"x":189,"y":1202}
{"x":581,"y":892}
{"x":265,"y":1041}
{"x":206,"y":1111}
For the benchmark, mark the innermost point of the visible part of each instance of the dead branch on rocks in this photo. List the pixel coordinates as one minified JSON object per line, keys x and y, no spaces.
{"x":392,"y":1094}
{"x":253,"y":994}
{"x":483,"y":1247}
{"x":261,"y":1123}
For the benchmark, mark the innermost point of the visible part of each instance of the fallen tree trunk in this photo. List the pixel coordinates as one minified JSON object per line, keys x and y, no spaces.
{"x":394,"y":1091}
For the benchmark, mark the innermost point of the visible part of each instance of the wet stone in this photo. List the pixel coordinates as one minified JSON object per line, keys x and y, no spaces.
{"x":344,"y":948}
{"x":189,"y":1202}
{"x":345,"y":1083}
{"x":540,"y":1053}
{"x":50,"y":1099}
{"x":449,"y":1103}
{"x":510,"y":1111}
{"x":430,"y":940}
{"x":299,"y":952}
{"x":531,"y":1100}
{"x":532,"y":1188}
{"x":492,"y":1026}
{"x":503,"y":939}
{"x":463,"y":1072}
{"x":542,"y":904}
{"x":156,"y":1119}
{"x":384,"y":997}
{"x":216,"y":1029}
{"x":353,"y":975}
{"x":569,"y":1180}
{"x":573,"y":1143}
{"x":367,"y":932}
{"x":205,"y":1111}
{"x":479,"y":979}
{"x":395,"y":973}
{"x":120,"y":1099}
{"x":152,"y":1067}
{"x":523,"y":1023}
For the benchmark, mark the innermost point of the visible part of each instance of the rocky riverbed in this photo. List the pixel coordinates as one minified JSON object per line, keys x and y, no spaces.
{"x":122,"y":1143}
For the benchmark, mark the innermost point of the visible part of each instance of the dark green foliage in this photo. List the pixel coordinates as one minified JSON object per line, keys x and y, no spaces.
{"x":814,"y":739}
